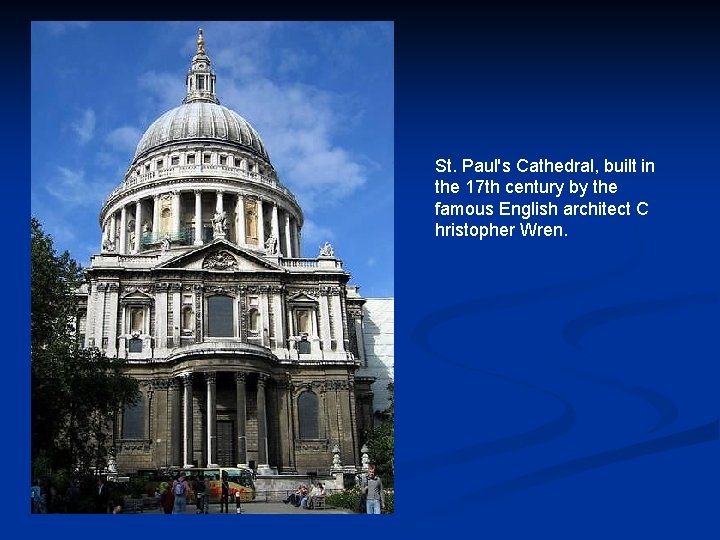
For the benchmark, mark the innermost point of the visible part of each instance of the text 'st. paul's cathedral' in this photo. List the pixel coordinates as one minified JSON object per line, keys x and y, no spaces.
{"x":246,"y":352}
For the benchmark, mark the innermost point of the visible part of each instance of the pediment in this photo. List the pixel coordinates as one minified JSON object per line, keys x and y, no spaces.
{"x":302,"y":298}
{"x":220,"y":256}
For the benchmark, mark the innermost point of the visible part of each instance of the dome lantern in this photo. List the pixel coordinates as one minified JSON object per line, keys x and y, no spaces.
{"x":200,"y":78}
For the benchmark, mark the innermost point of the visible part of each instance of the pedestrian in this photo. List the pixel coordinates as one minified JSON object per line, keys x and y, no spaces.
{"x":167,"y":500}
{"x":180,"y":489}
{"x":225,"y":494}
{"x":102,"y":497}
{"x":373,"y":491}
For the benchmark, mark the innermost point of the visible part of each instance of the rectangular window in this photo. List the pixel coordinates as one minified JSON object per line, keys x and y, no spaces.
{"x":223,"y":160}
{"x":160,"y":164}
{"x":206,"y":159}
{"x":135,"y":345}
{"x":134,"y":421}
{"x":220,"y":316}
{"x":137,"y":319}
{"x":147,"y":167}
{"x":175,"y":160}
{"x":191,"y":159}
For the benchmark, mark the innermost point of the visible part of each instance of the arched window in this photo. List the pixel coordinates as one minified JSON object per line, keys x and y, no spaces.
{"x":134,"y":421}
{"x":165,"y":223}
{"x":220,"y":320}
{"x":187,"y":320}
{"x":254,"y":321}
{"x":308,"y":415}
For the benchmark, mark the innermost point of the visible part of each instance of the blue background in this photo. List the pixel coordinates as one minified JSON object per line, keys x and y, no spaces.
{"x":556,"y":387}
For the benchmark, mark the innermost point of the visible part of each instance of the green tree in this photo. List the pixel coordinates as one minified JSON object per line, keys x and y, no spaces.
{"x":381,"y":442}
{"x":75,"y":392}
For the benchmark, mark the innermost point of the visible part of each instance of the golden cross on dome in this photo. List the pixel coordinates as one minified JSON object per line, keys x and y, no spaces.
{"x":201,"y":42}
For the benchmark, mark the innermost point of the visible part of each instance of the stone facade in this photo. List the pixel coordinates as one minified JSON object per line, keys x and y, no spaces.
{"x":247,"y":353}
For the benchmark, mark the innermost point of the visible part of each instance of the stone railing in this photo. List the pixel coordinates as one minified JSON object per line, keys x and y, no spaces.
{"x":187,"y":171}
{"x":305,"y":264}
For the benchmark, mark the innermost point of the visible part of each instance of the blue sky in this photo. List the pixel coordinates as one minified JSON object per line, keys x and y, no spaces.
{"x":320,"y":95}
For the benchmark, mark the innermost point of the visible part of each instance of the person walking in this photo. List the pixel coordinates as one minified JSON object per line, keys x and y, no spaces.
{"x":225,"y":495}
{"x":373,"y":491}
{"x":180,"y":489}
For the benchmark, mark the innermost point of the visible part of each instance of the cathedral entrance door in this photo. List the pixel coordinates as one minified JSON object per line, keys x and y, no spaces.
{"x":226,"y":443}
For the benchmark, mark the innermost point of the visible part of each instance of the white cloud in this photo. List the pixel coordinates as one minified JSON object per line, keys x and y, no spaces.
{"x":315,"y":234}
{"x":71,"y":187}
{"x":124,"y":139}
{"x":297,"y":124}
{"x":60,"y":27}
{"x":84,"y":127}
{"x":165,"y":90}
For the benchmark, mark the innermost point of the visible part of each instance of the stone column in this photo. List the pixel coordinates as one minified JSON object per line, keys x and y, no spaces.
{"x":113,"y":301}
{"x":275,"y":225}
{"x":210,"y":379}
{"x":105,"y":236}
{"x":187,"y":421}
{"x":324,"y":330}
{"x":262,"y":422}
{"x":138,"y":226}
{"x":113,"y":232}
{"x":176,"y":212}
{"x":240,"y":217}
{"x":100,"y":313}
{"x":161,"y":310}
{"x":176,"y":430}
{"x":288,"y":241}
{"x":338,"y":329}
{"x":260,"y":225}
{"x":297,"y":239}
{"x":123,"y":231}
{"x":198,"y":218}
{"x":240,"y":378}
{"x":156,"y":217}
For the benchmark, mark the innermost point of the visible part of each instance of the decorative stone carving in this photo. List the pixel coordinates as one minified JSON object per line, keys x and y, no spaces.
{"x":165,"y":242}
{"x":219,"y":222}
{"x":222,"y":260}
{"x":326,"y":250}
{"x":271,"y":245}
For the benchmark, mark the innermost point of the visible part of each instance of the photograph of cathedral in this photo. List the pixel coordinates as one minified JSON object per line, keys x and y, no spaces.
{"x":248,"y":351}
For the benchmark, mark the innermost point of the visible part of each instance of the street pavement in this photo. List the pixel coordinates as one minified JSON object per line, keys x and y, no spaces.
{"x":257,"y":507}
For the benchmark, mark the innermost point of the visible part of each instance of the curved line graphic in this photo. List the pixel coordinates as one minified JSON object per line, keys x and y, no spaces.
{"x":697,"y":435}
{"x":543,"y":433}
{"x":508,"y":300}
{"x":581,"y":325}
{"x":665,"y":407}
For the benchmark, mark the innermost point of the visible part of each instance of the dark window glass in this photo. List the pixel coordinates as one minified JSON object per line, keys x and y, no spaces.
{"x":135,"y":345}
{"x":134,"y":421}
{"x":303,"y":347}
{"x":308,"y":413}
{"x":220,"y":316}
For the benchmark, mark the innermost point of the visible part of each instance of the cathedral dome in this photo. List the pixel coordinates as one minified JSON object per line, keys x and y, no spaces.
{"x":201,"y":120}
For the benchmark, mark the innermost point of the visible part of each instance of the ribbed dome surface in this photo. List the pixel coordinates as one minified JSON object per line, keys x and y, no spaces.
{"x":200,"y":120}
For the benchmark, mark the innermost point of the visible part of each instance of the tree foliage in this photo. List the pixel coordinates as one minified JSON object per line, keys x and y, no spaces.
{"x":381,"y":442}
{"x":75,"y":392}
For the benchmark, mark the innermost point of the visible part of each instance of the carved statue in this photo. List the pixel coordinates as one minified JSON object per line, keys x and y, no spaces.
{"x":133,"y":247}
{"x":271,"y":245}
{"x":108,"y":245}
{"x":326,"y":250}
{"x":219,"y":222}
{"x":165,"y":242}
